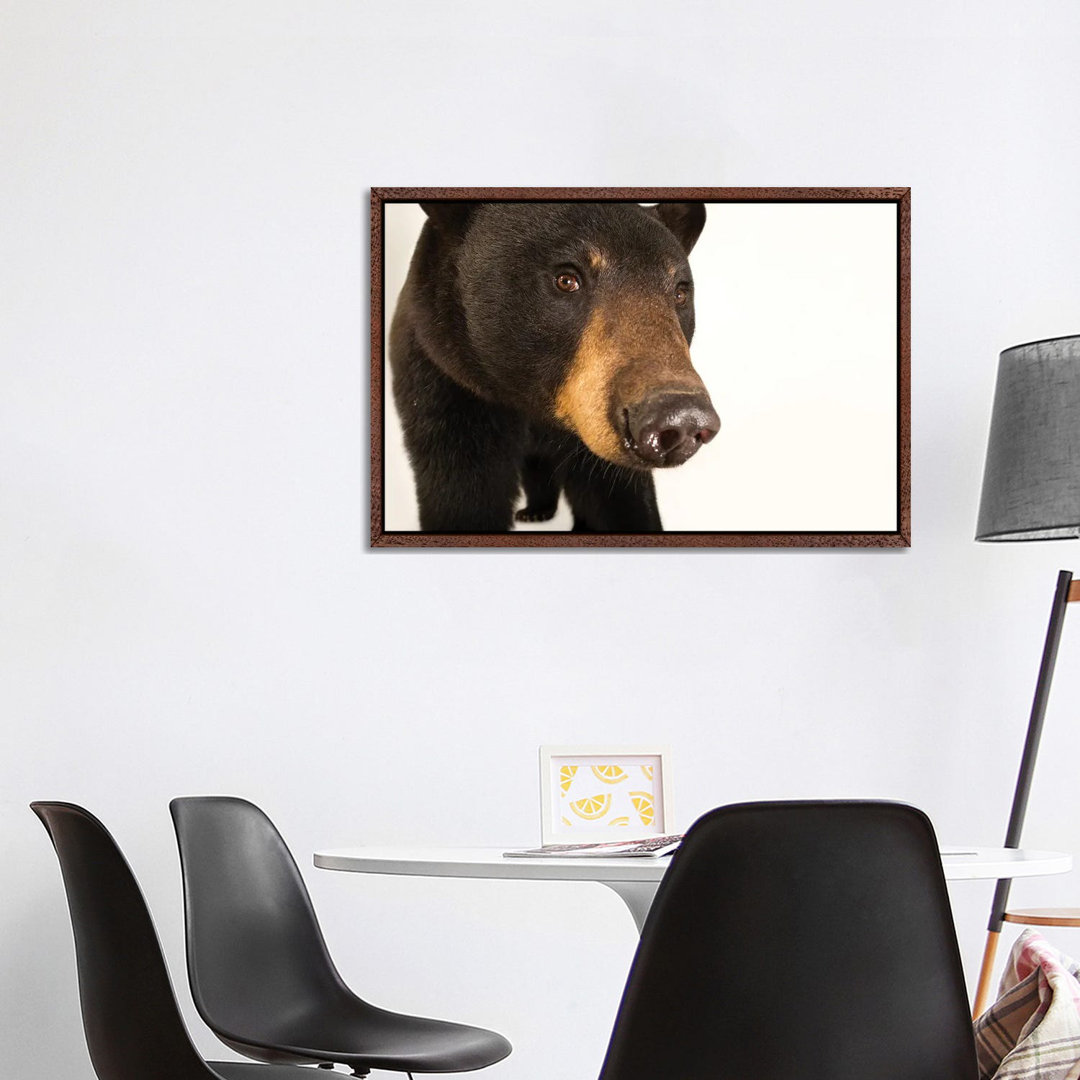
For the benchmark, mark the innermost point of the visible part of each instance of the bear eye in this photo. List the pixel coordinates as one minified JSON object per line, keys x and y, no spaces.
{"x":682,"y":294}
{"x":567,"y":281}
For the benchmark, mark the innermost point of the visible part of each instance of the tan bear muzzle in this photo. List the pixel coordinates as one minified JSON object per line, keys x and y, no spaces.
{"x":631,"y":393}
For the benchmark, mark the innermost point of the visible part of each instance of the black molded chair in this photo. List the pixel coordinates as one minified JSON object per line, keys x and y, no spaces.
{"x":133,"y":1026}
{"x":259,"y":969}
{"x":798,"y":941}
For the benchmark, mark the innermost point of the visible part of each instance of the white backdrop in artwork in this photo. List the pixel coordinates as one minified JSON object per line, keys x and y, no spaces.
{"x":187,"y":604}
{"x":796,"y":340}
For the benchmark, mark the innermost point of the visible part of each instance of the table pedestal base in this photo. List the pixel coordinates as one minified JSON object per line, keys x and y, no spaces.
{"x":637,"y":896}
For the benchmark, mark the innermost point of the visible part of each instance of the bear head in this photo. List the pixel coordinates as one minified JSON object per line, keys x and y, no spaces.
{"x":578,"y":314}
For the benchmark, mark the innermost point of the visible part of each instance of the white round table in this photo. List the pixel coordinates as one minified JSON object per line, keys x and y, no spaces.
{"x":636,"y":879}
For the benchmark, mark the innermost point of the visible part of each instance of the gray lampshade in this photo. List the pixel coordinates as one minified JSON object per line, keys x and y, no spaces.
{"x":1031,"y":486}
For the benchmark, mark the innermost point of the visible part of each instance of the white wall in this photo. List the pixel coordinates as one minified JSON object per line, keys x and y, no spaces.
{"x":187,"y":604}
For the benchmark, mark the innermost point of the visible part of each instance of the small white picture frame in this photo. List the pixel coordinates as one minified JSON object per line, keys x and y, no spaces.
{"x":590,"y":794}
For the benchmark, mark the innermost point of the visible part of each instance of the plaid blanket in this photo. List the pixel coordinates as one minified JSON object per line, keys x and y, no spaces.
{"x":1032,"y":1031}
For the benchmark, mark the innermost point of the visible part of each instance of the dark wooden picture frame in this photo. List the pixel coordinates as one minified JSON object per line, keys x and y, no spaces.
{"x":896,"y":532}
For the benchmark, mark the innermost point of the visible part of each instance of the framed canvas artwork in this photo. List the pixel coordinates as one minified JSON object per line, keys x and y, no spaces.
{"x":640,"y":367}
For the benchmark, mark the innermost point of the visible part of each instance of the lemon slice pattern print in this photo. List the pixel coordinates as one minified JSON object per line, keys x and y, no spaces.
{"x":643,"y":804}
{"x":592,"y":808}
{"x":604,"y":793}
{"x":610,"y":774}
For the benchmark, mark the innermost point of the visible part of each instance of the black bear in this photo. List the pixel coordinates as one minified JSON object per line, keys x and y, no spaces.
{"x":545,"y":347}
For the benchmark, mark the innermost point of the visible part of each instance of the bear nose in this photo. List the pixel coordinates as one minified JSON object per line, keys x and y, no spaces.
{"x":668,"y":427}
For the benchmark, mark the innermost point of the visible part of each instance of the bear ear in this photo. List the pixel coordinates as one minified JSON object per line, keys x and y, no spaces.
{"x":449,"y":216}
{"x":684,"y":219}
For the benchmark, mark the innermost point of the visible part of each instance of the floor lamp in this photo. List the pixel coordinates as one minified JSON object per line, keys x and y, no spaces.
{"x":1031,"y":491}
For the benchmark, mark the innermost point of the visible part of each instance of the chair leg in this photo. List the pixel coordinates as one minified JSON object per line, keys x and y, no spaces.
{"x":987,"y":970}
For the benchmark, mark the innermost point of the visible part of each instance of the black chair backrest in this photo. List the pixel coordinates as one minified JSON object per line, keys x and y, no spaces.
{"x":799,"y":941}
{"x":255,"y":951}
{"x":132,"y":1022}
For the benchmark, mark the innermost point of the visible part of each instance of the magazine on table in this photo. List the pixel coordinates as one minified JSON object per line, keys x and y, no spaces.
{"x":649,"y":847}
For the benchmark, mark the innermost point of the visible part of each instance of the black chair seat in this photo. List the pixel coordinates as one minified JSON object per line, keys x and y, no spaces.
{"x":260,"y":973}
{"x":366,"y":1039}
{"x":363,"y":1037}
